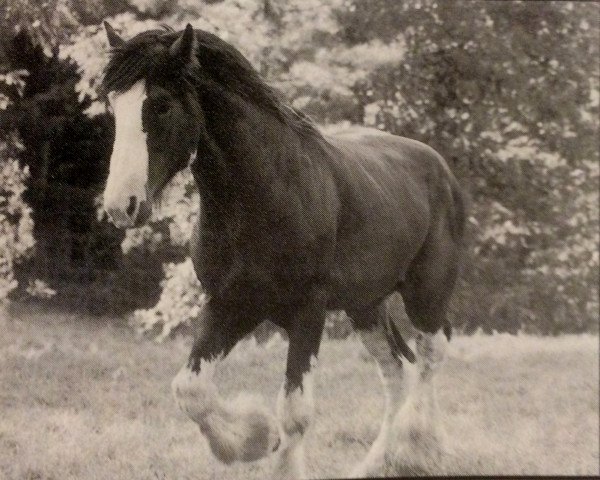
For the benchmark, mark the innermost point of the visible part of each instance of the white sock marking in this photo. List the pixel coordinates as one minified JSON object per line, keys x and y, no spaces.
{"x":417,"y":428}
{"x":295,"y":413}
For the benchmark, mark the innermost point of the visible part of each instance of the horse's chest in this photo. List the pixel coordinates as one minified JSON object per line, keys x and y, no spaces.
{"x":265,"y":266}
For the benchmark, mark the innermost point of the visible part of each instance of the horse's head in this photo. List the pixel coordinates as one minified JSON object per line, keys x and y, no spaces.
{"x":157,"y":118}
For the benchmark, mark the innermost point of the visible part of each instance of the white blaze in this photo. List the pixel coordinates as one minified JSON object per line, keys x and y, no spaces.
{"x":128,"y":173}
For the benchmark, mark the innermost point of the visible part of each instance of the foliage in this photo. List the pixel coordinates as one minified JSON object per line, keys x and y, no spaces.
{"x":506,"y":92}
{"x":66,"y":155}
{"x":180,"y":301}
{"x":16,"y":239}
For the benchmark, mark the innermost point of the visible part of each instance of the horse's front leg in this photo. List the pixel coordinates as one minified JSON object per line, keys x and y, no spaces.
{"x":236,"y":431}
{"x":295,"y":403}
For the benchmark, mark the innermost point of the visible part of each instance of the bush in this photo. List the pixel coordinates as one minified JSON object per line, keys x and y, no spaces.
{"x":180,"y":302}
{"x":16,"y":226}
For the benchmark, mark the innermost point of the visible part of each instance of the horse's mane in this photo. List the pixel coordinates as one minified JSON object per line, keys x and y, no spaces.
{"x":146,"y":56}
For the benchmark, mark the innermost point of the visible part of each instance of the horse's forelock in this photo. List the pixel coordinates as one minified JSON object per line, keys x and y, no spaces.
{"x":137,"y":59}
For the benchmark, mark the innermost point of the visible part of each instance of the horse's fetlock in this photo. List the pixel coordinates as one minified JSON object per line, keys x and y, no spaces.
{"x":195,"y":394}
{"x":297,"y":424}
{"x":296,"y":413}
{"x":431,"y":349}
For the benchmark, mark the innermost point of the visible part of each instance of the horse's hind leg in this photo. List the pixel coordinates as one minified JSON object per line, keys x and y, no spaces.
{"x":373,"y":326}
{"x":418,"y":430}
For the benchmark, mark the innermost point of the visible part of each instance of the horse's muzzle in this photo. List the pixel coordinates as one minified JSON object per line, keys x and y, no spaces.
{"x":136,"y":214}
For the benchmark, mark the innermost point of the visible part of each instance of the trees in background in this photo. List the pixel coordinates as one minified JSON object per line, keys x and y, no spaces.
{"x":506,"y":92}
{"x":65,"y":152}
{"x":16,"y":239}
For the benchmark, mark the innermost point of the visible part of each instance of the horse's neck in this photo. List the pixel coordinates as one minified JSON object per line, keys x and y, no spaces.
{"x":247,"y":151}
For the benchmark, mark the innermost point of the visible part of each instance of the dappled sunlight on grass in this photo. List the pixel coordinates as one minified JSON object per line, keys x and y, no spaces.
{"x":94,"y":402}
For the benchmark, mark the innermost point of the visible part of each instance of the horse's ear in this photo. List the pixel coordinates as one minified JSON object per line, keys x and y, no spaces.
{"x":184,"y":47}
{"x":114,"y":40}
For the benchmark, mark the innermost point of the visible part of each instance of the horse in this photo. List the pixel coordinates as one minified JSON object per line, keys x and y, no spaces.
{"x":293,"y":223}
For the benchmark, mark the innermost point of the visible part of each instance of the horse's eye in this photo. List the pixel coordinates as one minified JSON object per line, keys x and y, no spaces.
{"x":161,"y":108}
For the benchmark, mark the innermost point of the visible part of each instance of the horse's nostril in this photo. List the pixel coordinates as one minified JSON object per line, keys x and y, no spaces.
{"x":131,"y":208}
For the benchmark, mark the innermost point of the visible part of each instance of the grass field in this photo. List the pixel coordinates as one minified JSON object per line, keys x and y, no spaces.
{"x":83,"y":401}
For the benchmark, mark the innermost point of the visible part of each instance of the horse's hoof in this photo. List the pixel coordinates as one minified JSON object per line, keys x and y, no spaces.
{"x":367,"y":468}
{"x":358,"y":473}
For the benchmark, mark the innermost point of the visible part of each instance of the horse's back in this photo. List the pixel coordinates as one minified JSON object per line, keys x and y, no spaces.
{"x":391,"y":171}
{"x":409,"y":165}
{"x":367,"y":145}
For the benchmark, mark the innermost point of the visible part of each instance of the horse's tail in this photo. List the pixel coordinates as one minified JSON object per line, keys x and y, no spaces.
{"x":459,"y":220}
{"x":447,"y":328}
{"x":458,"y":223}
{"x":397,"y":344}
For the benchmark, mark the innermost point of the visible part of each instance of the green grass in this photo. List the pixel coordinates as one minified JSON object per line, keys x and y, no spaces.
{"x":83,"y":401}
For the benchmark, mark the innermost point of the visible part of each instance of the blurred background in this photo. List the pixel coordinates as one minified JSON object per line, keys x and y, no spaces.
{"x":507,"y":92}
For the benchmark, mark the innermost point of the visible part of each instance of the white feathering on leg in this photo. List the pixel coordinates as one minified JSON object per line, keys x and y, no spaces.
{"x":376,"y":454}
{"x":295,"y":413}
{"x":195,"y":392}
{"x":417,"y":428}
{"x":236,"y":430}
